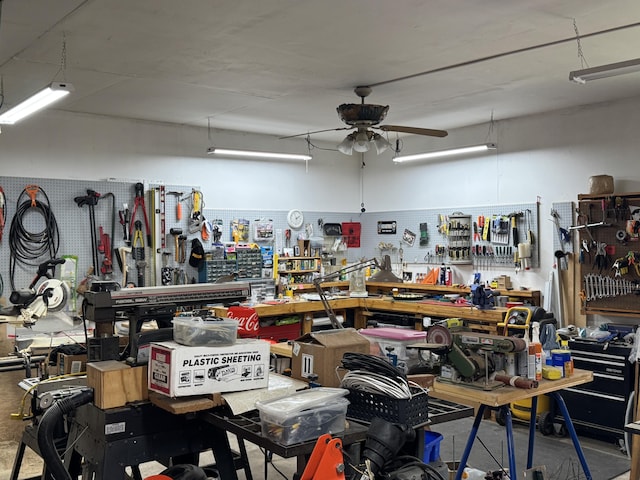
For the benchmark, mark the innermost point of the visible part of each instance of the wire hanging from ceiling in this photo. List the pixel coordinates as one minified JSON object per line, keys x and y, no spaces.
{"x":311,"y":145}
{"x":583,"y":61}
{"x":362,"y":165}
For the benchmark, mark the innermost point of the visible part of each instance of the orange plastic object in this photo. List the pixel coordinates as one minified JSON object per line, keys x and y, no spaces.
{"x":32,"y":191}
{"x":326,"y":461}
{"x":178,"y":210}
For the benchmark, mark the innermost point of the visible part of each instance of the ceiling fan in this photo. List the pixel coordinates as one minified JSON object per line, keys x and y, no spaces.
{"x":364,"y":118}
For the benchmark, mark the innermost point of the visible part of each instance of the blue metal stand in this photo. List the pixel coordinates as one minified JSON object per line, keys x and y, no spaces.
{"x":506,"y":412}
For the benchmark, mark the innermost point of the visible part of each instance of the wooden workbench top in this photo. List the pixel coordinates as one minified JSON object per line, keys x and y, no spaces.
{"x":465,"y":395}
{"x":388,"y":303}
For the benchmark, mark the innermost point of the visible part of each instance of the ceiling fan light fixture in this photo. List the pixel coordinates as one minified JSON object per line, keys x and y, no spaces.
{"x":605,"y":71}
{"x":381,"y":143}
{"x":361,"y":141}
{"x":346,"y":146}
{"x":484,"y":147}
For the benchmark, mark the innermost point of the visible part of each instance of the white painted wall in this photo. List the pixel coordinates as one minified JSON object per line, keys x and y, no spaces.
{"x":86,"y":147}
{"x":550,"y":157}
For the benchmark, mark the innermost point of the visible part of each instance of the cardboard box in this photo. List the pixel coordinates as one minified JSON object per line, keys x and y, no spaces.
{"x":115,"y":383}
{"x":321,"y":352}
{"x":179,"y":370}
{"x":71,"y":363}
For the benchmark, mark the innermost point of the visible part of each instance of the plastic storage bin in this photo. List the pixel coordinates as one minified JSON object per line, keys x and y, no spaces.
{"x":431,"y":446}
{"x":304,"y":415}
{"x":396,"y":339}
{"x":213,"y":331}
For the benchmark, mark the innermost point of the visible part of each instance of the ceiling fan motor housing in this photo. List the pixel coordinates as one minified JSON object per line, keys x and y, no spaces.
{"x":362,"y":114}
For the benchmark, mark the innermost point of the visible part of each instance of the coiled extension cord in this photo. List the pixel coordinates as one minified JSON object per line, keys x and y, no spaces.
{"x":29,"y":247}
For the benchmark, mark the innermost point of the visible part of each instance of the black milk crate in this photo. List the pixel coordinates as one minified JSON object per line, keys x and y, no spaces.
{"x":366,"y":406}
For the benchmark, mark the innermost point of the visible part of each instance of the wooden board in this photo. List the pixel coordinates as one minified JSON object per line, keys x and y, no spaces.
{"x":466,"y":395}
{"x":183,"y":405}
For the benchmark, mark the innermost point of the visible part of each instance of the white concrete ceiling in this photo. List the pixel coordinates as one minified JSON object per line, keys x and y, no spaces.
{"x":280,"y":67}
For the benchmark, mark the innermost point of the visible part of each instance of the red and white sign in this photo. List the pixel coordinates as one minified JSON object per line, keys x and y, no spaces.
{"x":248,"y":321}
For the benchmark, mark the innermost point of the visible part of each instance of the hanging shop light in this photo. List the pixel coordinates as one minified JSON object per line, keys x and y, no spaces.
{"x":45,"y":97}
{"x":484,"y":147}
{"x":257,"y":154}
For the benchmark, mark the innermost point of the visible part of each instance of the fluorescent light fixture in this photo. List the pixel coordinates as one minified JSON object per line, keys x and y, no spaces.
{"x":40,"y":100}
{"x":605,"y":71}
{"x":445,"y":153}
{"x":255,"y":154}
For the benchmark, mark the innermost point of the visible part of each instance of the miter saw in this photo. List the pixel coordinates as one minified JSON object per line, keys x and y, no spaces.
{"x":48,"y":297}
{"x":468,"y":357}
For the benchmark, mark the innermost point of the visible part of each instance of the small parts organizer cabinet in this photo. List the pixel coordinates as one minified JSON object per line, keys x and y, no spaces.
{"x":300,"y":269}
{"x":459,"y":237}
{"x":246,"y":264}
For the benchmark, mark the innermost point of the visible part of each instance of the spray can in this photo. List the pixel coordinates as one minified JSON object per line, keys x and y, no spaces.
{"x":535,"y":349}
{"x":448,"y":280}
{"x":443,"y":275}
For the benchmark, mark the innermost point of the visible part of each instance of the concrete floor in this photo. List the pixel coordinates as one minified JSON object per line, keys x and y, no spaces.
{"x":32,"y":464}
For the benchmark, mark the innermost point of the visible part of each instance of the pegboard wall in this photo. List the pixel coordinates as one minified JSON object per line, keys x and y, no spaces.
{"x":416,"y":238}
{"x":562,"y":216}
{"x":609,"y":257}
{"x":60,"y":226}
{"x":425,"y":236}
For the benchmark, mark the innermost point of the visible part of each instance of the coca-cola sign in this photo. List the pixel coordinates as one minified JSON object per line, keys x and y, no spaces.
{"x":248,"y":321}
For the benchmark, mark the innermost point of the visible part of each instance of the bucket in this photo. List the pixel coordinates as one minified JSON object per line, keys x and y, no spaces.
{"x":431,"y":446}
{"x":522,"y":408}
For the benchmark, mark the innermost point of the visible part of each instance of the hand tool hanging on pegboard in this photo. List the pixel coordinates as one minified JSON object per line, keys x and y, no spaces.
{"x":125,"y":221}
{"x":105,"y":245}
{"x":139,"y":203}
{"x":179,"y":199}
{"x":197,"y":206}
{"x":3,"y":211}
{"x":90,"y":200}
{"x":137,"y":251}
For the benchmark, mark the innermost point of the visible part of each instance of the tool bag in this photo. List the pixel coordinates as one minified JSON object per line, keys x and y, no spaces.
{"x":196,"y":259}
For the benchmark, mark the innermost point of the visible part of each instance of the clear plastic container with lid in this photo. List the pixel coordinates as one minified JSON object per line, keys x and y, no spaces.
{"x":211,"y":331}
{"x":304,"y":415}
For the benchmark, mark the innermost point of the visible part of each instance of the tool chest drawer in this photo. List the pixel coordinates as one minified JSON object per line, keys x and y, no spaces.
{"x":598,"y":408}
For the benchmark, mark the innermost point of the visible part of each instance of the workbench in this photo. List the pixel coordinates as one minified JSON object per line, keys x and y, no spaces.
{"x":110,"y":440}
{"x":247,"y":428}
{"x":477,"y":319}
{"x":501,"y":398}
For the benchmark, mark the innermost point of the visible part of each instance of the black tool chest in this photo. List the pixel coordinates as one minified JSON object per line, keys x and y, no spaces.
{"x":598,"y":409}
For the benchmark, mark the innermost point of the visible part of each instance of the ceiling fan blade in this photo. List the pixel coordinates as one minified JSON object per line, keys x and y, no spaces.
{"x":416,"y":131}
{"x":318,"y":131}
